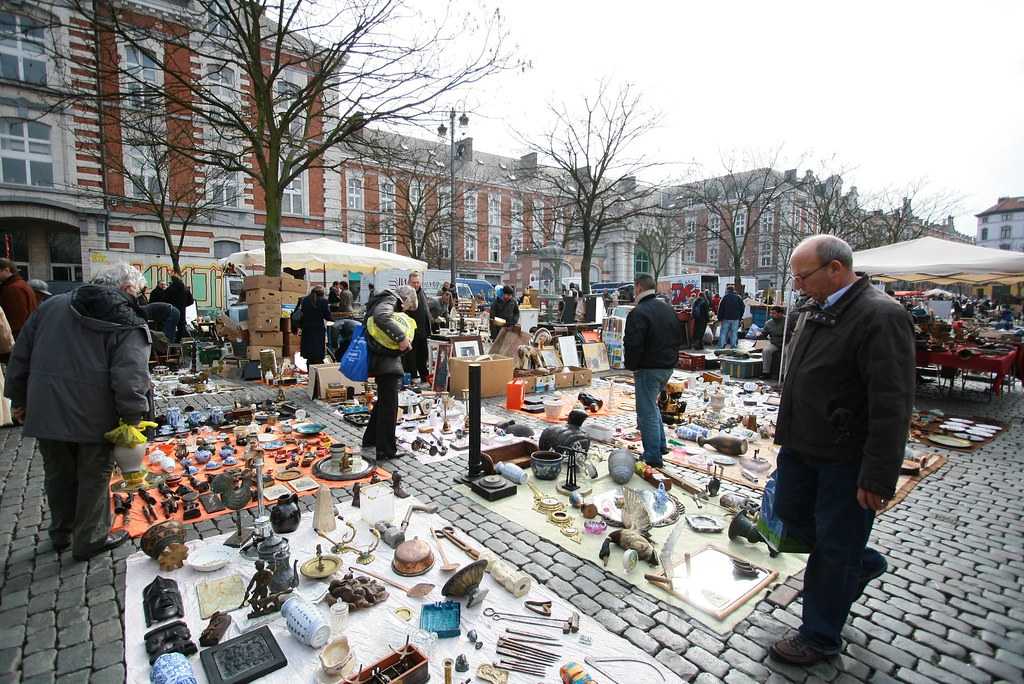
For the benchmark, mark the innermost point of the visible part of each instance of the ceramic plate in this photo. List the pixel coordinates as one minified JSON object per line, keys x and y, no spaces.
{"x":694,"y":451}
{"x":209,"y":557}
{"x":725,"y":460}
{"x":962,"y":435}
{"x":982,"y":426}
{"x":948,"y":440}
{"x":979,"y":432}
{"x":976,"y":438}
{"x":310,"y":428}
{"x":271,"y":446}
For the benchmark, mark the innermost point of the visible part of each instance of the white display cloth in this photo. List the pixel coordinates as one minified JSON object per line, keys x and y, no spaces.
{"x":369,"y":631}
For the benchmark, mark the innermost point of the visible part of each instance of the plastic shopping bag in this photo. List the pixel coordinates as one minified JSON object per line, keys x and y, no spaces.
{"x":355,"y":363}
{"x":771,"y":526}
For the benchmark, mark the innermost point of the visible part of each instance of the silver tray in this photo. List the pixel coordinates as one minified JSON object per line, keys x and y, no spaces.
{"x":612,"y":514}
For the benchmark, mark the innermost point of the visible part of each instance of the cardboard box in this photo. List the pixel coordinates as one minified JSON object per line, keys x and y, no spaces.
{"x":293,"y":285}
{"x":259,"y":338}
{"x":564,"y":378}
{"x":254,"y":352}
{"x":264,"y":317}
{"x":262,"y":283}
{"x":264,"y":296}
{"x":581,"y":377}
{"x":495,"y":372}
{"x":323,"y":375}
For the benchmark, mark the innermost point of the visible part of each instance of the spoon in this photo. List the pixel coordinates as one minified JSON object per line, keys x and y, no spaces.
{"x":448,"y":565}
{"x":417,"y":591}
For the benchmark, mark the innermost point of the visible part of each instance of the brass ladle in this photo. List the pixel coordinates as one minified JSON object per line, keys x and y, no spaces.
{"x":416,"y":591}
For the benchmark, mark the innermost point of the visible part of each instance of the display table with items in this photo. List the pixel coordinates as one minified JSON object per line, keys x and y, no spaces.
{"x":999,"y":362}
{"x":203,"y":465}
{"x":337,"y":600}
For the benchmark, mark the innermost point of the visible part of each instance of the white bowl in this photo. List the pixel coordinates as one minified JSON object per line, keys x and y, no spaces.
{"x":209,"y":557}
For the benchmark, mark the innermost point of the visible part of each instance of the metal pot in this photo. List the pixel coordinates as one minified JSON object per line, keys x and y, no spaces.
{"x":413,"y":557}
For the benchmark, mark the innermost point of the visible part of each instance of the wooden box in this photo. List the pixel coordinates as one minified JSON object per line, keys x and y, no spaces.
{"x":581,"y":377}
{"x":564,"y":378}
{"x":515,"y":452}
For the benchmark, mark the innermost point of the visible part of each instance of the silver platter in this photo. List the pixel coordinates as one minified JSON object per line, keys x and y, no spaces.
{"x":605,"y":502}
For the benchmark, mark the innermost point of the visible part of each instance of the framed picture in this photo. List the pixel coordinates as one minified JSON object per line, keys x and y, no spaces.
{"x":567,"y":350}
{"x":467,"y":348}
{"x":549,"y":355}
{"x":440,"y":383}
{"x":596,"y":356}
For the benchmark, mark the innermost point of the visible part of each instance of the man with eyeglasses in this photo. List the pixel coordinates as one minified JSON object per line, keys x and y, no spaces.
{"x":843,"y":422}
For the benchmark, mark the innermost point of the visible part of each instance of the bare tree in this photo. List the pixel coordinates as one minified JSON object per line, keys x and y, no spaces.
{"x":899,"y":213}
{"x":588,"y":167}
{"x":661,"y":237}
{"x":735,"y":203}
{"x":273,"y":88}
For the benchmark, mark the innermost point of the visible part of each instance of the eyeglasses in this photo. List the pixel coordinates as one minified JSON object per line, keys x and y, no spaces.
{"x":805,"y":276}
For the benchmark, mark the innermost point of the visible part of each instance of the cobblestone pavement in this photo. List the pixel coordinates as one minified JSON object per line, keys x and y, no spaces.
{"x":950,"y":609}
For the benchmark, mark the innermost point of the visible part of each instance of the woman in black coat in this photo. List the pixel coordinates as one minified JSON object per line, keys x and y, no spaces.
{"x":179,"y":296}
{"x":314,"y":313}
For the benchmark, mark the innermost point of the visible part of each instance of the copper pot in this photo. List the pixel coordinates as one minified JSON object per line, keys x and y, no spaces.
{"x":413,"y":557}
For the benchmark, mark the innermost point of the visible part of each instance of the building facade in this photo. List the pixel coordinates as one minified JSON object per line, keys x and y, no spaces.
{"x":1001,"y":226}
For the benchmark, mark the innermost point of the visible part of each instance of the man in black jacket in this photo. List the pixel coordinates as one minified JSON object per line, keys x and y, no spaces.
{"x":506,"y":308}
{"x":179,"y":296}
{"x":730,"y":312}
{"x":842,"y":425}
{"x":415,"y":362}
{"x":651,"y":345}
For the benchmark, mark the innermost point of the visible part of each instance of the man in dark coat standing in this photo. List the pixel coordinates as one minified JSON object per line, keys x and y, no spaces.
{"x":17,"y":298}
{"x":179,"y":296}
{"x":506,"y":308}
{"x":158,"y":293}
{"x":415,"y":361}
{"x":651,"y":344}
{"x":730,"y":312}
{"x":842,"y":426}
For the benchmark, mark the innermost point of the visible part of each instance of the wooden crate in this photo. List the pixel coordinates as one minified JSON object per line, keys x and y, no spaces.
{"x":690,"y":362}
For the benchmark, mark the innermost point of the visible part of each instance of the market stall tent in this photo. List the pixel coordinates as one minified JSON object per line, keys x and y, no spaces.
{"x":327,"y":254}
{"x":942,"y":262}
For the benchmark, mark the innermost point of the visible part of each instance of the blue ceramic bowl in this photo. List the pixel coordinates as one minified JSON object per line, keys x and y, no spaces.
{"x":546,"y":464}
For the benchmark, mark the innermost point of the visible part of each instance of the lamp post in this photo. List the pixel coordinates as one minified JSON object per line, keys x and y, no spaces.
{"x":441,"y":131}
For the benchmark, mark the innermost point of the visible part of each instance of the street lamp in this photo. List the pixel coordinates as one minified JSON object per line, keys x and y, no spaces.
{"x":442,"y":131}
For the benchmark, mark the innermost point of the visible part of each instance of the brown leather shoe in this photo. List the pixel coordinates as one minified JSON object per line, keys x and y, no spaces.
{"x":796,"y":651}
{"x":113,"y":540}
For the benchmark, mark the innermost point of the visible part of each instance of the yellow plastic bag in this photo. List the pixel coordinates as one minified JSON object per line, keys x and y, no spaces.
{"x":404,"y":321}
{"x":125,"y":435}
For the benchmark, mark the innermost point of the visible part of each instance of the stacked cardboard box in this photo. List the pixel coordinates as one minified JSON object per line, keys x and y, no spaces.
{"x":265,"y":296}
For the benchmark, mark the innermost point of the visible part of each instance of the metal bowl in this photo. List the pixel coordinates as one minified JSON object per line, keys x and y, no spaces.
{"x":413,"y":557}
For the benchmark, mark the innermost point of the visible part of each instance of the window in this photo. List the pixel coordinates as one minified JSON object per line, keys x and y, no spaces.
{"x":469,"y":244}
{"x":713,"y":251}
{"x":984,"y":219}
{"x":388,"y":238}
{"x":494,"y":246}
{"x":1005,"y":231}
{"x":25,"y":153}
{"x":225,"y":248}
{"x":764,"y":249}
{"x":1007,"y":217}
{"x":641,"y":262}
{"x":442,"y":240}
{"x":767,"y":218}
{"x":984,"y":233}
{"x":21,"y":49}
{"x":224,"y":189}
{"x":538,"y":221}
{"x":65,"y":256}
{"x":469,"y":210}
{"x":287,"y":91}
{"x":739,"y":222}
{"x":415,"y":196}
{"x":221,"y":78}
{"x":494,"y":210}
{"x":1004,"y":246}
{"x":516,"y":241}
{"x":150,"y":244}
{"x":690,"y":255}
{"x":387,"y":197}
{"x":355,"y":193}
{"x":517,"y":214}
{"x":691,"y":226}
{"x":292,"y":199}
{"x":356,"y":234}
{"x":141,"y":177}
{"x":142,"y":87}
{"x":715,"y":225}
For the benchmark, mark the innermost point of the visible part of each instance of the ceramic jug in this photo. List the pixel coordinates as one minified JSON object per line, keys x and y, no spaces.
{"x":620,"y":465}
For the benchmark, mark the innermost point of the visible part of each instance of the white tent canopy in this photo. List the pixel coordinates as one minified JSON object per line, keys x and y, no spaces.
{"x":324,"y":253}
{"x":942,"y":262}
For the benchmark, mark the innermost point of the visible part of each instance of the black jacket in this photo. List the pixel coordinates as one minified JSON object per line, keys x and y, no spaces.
{"x":178,"y":295}
{"x":314,"y":315}
{"x":507,"y":310}
{"x":653,"y":335}
{"x":381,"y":308}
{"x":421,"y":315}
{"x":731,"y":307}
{"x":849,"y":388}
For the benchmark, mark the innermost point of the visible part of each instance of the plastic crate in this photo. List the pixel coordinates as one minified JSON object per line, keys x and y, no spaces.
{"x":741,"y":368}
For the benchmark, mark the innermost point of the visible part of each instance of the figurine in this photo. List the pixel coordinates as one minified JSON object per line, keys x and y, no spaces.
{"x":257,"y":594}
{"x":396,"y":486}
{"x":355,"y":495}
{"x":660,"y":498}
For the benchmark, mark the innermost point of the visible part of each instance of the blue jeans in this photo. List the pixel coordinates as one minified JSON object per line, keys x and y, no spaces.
{"x":727,"y":333}
{"x":817,"y":503}
{"x":171,"y":325}
{"x":648,"y":384}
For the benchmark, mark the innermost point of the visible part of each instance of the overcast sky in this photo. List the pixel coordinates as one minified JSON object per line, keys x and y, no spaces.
{"x":897,"y":90}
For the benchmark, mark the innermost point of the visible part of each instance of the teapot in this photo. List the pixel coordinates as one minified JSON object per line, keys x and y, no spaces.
{"x":274,"y":551}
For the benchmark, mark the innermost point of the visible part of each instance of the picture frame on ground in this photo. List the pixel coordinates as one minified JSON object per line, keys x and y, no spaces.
{"x":440,"y":378}
{"x":467,"y":348}
{"x":550,"y":357}
{"x":595,"y":354}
